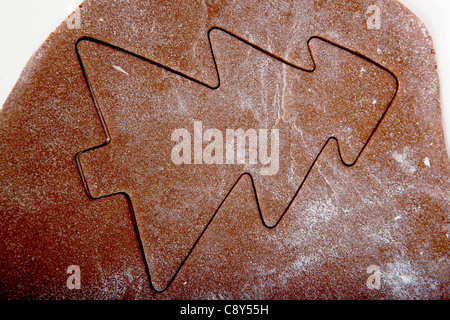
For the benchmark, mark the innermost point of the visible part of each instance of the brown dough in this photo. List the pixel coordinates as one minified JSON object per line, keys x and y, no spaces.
{"x":87,"y":176}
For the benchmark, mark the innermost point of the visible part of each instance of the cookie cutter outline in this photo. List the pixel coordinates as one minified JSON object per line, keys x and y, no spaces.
{"x":108,"y":137}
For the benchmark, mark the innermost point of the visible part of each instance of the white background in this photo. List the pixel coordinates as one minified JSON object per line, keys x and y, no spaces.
{"x":25,"y":24}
